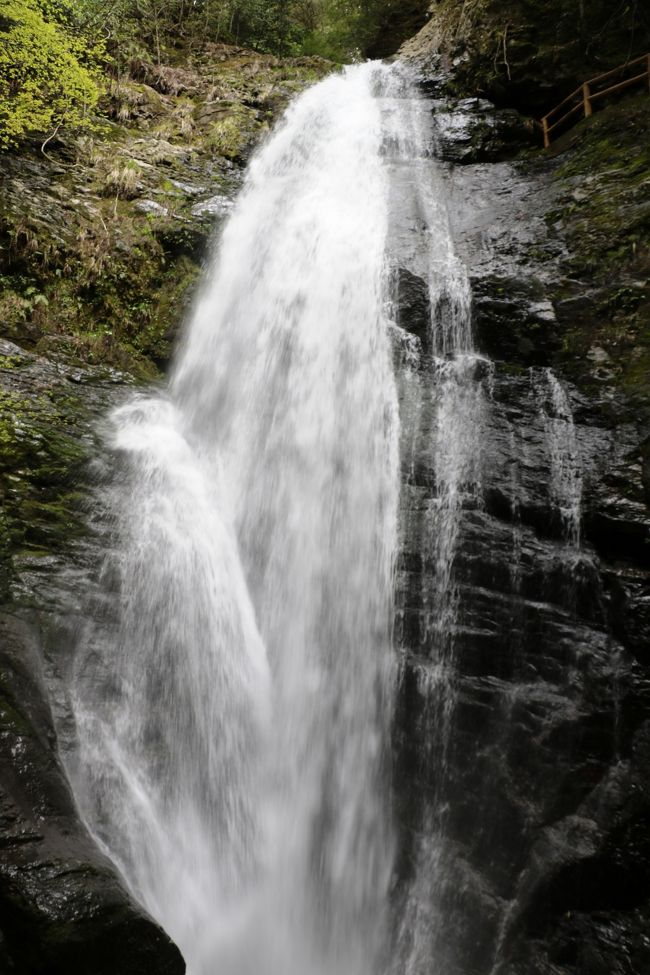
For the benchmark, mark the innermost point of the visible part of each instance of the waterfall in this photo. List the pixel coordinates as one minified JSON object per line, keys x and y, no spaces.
{"x":311,"y":473}
{"x":232,"y":689}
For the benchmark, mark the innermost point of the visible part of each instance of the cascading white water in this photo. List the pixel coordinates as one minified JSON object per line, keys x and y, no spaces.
{"x":565,"y":486}
{"x":232,"y":693}
{"x":443,"y":405}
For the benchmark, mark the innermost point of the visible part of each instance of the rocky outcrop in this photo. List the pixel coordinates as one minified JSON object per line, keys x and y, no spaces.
{"x":541,"y":795}
{"x":62,"y":907}
{"x":528,"y":54}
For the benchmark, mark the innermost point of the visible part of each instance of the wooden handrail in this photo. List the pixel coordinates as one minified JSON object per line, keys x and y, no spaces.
{"x":622,"y":84}
{"x":621,"y":67}
{"x":587,"y":95}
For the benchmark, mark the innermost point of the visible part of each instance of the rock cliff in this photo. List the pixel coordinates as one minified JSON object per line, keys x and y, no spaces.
{"x":545,"y":864}
{"x":529,"y":53}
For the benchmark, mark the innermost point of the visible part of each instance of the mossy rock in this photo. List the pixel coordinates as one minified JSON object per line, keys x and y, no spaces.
{"x":48,"y":410}
{"x":603,"y":212}
{"x":529,"y":54}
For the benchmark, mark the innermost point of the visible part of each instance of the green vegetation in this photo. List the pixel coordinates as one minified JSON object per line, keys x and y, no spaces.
{"x":48,"y":77}
{"x":339,"y":29}
{"x":100,"y":244}
{"x":58,"y":56}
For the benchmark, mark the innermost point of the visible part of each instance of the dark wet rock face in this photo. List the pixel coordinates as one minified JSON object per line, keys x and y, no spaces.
{"x":541,"y":795}
{"x":529,"y":54}
{"x":62,"y":906}
{"x":399,"y":22}
{"x":472,"y":130}
{"x":412,"y":306}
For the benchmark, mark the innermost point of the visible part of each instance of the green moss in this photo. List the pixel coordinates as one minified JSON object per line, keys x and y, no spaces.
{"x":12,"y":720}
{"x":12,"y":361}
{"x":41,"y":456}
{"x":513,"y":369}
{"x":602,"y":210}
{"x":229,"y":136}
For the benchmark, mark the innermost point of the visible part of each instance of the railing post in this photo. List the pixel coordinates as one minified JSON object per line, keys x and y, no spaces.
{"x":588,"y":96}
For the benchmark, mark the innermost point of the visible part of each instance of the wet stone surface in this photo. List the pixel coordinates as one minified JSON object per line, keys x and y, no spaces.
{"x":62,"y":906}
{"x":543,"y":865}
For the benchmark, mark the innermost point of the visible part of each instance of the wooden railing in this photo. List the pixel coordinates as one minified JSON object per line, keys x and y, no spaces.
{"x":590,"y":91}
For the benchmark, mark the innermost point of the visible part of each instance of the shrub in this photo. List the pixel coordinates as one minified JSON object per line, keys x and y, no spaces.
{"x":48,"y":77}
